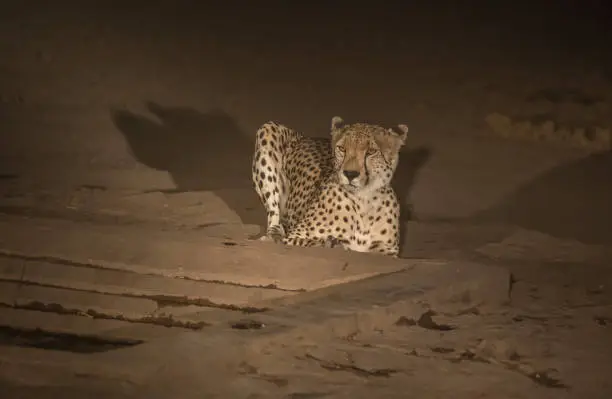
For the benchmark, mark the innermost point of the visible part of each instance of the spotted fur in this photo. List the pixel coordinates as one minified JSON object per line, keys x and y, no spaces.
{"x":327,"y":192}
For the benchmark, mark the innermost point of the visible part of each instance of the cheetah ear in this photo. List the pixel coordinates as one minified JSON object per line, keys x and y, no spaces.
{"x":336,"y":122}
{"x":402,"y":133}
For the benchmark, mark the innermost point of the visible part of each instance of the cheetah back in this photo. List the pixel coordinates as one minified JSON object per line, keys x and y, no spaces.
{"x":308,"y":163}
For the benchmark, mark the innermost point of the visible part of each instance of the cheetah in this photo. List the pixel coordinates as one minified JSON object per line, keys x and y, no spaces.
{"x":330,"y":191}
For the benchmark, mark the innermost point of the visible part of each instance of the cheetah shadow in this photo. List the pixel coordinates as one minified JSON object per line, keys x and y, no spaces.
{"x":410,"y":163}
{"x":200,"y":151}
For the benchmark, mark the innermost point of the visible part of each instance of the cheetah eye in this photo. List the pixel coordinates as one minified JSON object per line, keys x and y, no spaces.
{"x":371,"y":151}
{"x":341,"y":148}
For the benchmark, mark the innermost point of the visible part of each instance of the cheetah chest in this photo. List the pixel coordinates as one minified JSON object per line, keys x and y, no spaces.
{"x":373,"y":225}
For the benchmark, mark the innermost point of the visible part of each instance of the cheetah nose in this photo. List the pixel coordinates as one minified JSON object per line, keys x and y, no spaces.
{"x":351,"y":174}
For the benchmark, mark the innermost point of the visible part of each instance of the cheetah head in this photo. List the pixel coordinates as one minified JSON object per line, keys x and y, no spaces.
{"x":365,"y":155}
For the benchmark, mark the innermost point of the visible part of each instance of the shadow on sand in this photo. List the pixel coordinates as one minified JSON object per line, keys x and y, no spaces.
{"x":200,"y":151}
{"x":208,"y":151}
{"x":572,"y":201}
{"x":411,"y":161}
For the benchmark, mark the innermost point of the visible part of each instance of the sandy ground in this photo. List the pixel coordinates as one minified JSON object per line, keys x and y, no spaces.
{"x":143,"y":115}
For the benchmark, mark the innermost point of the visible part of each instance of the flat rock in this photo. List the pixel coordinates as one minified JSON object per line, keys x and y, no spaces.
{"x":188,"y":254}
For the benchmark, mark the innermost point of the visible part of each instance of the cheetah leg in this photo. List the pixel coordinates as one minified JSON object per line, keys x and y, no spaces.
{"x":384,"y":248}
{"x":394,"y":253}
{"x":297,"y":240}
{"x":390,"y":250}
{"x":306,"y":242}
{"x":270,"y":183}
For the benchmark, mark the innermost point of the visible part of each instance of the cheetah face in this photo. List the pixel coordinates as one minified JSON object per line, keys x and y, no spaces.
{"x":365,"y":155}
